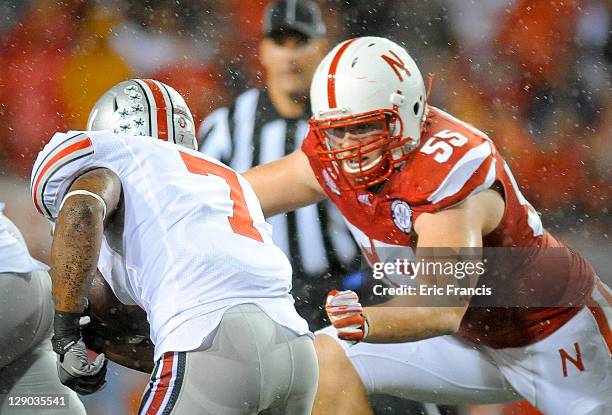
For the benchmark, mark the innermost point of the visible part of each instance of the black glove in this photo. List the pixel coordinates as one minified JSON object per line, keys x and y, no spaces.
{"x":73,"y":366}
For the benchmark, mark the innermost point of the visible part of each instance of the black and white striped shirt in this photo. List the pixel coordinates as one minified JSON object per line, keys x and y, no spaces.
{"x":315,"y":238}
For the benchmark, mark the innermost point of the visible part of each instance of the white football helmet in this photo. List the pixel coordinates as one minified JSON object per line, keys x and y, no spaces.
{"x":368,"y":104}
{"x":144,"y":107}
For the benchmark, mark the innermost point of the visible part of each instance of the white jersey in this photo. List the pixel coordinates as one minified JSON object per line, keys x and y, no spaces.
{"x":194,"y":239}
{"x":14,"y":255}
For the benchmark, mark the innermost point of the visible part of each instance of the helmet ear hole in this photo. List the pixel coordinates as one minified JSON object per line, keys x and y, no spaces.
{"x":416,"y":108}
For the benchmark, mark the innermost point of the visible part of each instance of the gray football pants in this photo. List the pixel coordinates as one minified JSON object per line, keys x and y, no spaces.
{"x":27,"y":361}
{"x":248,"y":365}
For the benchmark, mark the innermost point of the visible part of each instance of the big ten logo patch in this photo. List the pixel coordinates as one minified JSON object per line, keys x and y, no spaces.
{"x":402,"y":215}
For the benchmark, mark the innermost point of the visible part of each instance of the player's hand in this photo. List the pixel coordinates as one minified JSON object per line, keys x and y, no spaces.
{"x":346,"y":314}
{"x":73,"y":366}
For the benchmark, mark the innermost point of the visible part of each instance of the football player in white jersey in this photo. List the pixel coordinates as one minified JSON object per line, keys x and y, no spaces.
{"x":27,"y":363}
{"x":183,"y":237}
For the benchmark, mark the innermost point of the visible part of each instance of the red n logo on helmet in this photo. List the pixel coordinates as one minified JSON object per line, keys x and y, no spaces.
{"x":395,"y":62}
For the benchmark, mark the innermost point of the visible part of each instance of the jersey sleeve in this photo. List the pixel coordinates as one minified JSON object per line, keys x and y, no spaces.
{"x":309,"y":144}
{"x":442,"y":185}
{"x":62,"y":160}
{"x":309,"y":148}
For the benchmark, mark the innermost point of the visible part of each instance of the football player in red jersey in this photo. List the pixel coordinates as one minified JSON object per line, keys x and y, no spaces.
{"x":408,"y":175}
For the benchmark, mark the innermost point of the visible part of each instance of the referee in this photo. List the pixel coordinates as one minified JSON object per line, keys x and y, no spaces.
{"x":265,"y":124}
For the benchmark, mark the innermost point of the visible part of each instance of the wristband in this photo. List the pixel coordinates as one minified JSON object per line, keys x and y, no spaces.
{"x":66,"y":331}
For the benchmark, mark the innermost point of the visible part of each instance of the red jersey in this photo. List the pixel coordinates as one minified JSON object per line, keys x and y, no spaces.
{"x":454,"y":161}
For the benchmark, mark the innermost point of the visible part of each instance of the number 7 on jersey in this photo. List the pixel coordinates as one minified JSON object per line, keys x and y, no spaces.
{"x":240,"y":221}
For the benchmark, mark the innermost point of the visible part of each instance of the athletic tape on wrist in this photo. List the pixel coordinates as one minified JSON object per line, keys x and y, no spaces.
{"x":366,"y":327}
{"x":86,"y":193}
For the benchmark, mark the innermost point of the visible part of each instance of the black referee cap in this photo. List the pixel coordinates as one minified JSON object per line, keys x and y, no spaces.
{"x":302,"y":16}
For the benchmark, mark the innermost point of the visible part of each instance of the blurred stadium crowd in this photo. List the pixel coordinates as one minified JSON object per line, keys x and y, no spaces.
{"x":533,"y":74}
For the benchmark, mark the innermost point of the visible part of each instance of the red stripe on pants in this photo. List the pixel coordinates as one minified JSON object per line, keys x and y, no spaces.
{"x":162,"y":384}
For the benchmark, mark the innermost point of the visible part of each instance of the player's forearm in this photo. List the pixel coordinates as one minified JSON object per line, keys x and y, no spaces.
{"x":405,"y":324}
{"x":75,"y":251}
{"x":290,"y":201}
{"x":285,"y":184}
{"x":143,"y":362}
{"x":280,"y":193}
